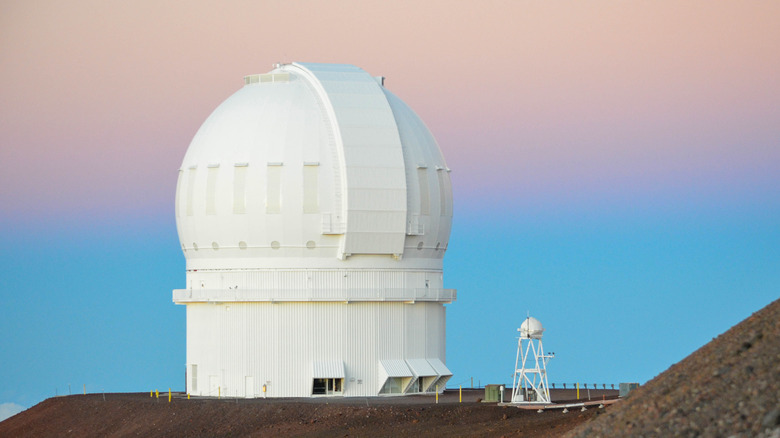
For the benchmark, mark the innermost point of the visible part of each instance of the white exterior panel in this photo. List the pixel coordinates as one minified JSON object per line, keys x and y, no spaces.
{"x":286,"y":345}
{"x":314,"y":209}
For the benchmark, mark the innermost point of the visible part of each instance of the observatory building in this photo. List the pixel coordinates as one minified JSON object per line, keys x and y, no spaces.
{"x":314,"y":208}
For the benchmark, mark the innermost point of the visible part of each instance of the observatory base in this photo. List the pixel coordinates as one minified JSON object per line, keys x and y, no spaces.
{"x":303,"y":349}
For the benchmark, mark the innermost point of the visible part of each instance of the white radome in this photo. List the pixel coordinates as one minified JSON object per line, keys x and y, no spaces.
{"x":531,"y":328}
{"x":314,"y":209}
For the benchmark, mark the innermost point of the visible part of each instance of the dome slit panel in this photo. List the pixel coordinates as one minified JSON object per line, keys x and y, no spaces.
{"x":333,"y":220}
{"x":376,"y":207}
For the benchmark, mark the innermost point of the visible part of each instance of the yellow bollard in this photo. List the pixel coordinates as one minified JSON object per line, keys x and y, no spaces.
{"x":169,"y":395}
{"x":578,"y":390}
{"x":151,"y":394}
{"x":85,"y":389}
{"x":188,"y":396}
{"x":460,"y":393}
{"x":437,"y":394}
{"x":156,"y":393}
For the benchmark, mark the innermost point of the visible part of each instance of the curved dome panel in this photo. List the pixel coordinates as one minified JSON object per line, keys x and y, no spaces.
{"x":429,"y":200}
{"x":313,"y":164}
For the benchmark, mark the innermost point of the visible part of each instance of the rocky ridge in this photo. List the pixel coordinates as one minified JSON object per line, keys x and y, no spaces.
{"x":728,"y":388}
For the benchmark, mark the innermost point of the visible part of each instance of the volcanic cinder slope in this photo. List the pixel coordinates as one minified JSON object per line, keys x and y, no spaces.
{"x":729,"y":387}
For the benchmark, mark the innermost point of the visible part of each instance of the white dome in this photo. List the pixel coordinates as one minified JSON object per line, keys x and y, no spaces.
{"x":314,"y":209}
{"x":531,"y":328}
{"x":313,"y":165}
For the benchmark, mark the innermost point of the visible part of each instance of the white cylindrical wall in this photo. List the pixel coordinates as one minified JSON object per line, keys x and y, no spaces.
{"x":277,"y":343}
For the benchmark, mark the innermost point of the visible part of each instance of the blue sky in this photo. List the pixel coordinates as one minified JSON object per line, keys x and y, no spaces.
{"x":623,"y":294}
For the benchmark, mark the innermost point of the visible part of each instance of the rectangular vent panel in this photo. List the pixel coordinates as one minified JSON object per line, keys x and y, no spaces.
{"x":239,"y":190}
{"x":425,"y":195}
{"x":273,"y":197}
{"x":211,"y":190}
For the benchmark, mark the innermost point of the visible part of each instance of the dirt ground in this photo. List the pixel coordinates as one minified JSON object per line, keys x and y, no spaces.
{"x":120,"y":415}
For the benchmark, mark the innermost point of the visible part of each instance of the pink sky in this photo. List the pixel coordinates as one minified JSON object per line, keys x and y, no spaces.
{"x":100,"y":99}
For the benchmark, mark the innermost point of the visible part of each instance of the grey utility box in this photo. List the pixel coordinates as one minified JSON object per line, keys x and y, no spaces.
{"x":493,"y":393}
{"x":625,"y":388}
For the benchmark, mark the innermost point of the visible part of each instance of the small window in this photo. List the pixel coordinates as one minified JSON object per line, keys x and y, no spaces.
{"x":394,"y":385}
{"x":270,"y":77}
{"x":328,"y":387}
{"x":415,"y":387}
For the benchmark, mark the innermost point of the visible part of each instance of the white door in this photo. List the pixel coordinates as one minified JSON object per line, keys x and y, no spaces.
{"x":249,"y":391}
{"x":194,"y":379}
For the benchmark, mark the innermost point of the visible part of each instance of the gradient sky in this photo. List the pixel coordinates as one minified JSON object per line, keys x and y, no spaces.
{"x":616,"y":168}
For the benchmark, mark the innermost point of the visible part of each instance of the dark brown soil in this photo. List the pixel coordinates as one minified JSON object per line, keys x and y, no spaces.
{"x":728,"y":388}
{"x":139,"y":415}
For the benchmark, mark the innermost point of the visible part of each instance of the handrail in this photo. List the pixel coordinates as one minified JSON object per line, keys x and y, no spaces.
{"x":313,"y":294}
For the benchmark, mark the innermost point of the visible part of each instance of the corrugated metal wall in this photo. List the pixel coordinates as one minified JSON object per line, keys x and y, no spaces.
{"x":276,"y":344}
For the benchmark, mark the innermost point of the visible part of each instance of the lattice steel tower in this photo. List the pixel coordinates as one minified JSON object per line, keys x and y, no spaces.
{"x":530,"y":378}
